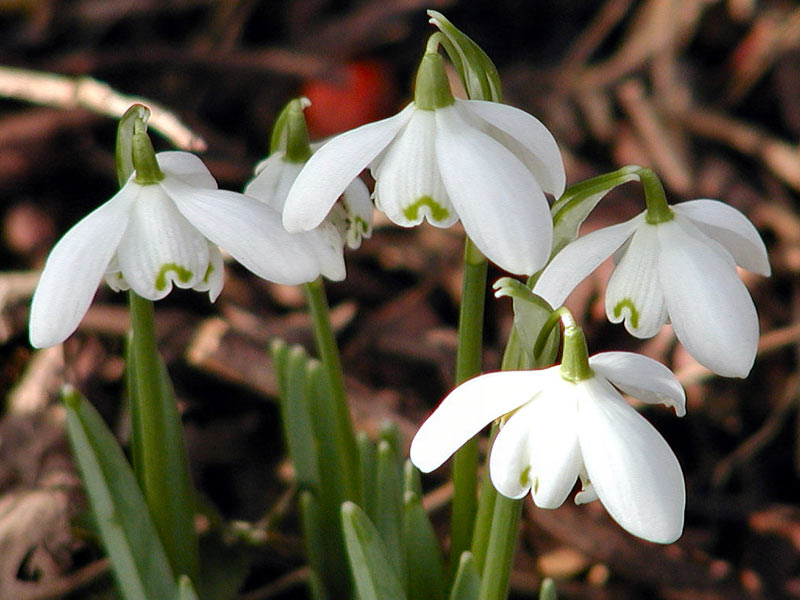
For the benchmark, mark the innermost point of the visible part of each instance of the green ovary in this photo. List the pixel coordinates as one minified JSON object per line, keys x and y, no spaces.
{"x":183,"y":274}
{"x":633,"y":313}
{"x":437,"y":211}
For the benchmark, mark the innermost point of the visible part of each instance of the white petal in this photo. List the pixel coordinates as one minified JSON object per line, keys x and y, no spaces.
{"x":729,"y":227}
{"x":641,"y":377}
{"x":634,"y":290}
{"x":710,"y":308}
{"x":555,"y":454}
{"x":502,"y":207}
{"x":408,"y":186}
{"x":160,"y":247}
{"x":75,"y":268}
{"x":468,"y":409}
{"x":359,"y":209}
{"x":532,"y":141}
{"x":251,"y":231}
{"x":273,"y":180}
{"x":510,"y":458}
{"x":574,"y":263}
{"x":187,"y":167}
{"x":331,"y":168}
{"x":214,"y":277}
{"x":630,"y":466}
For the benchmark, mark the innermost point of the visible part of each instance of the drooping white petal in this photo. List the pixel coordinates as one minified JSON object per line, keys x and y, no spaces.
{"x":574,"y":263}
{"x":359,"y":209}
{"x":630,"y":466}
{"x":214,"y":277}
{"x":553,"y":441}
{"x":187,"y":167}
{"x":75,"y":268}
{"x":710,"y":308}
{"x":634,"y":291}
{"x":526,"y":137}
{"x":502,"y":207}
{"x":408,"y":186}
{"x":331,"y":168}
{"x":273,"y":180}
{"x":641,"y":377}
{"x":160,"y":247}
{"x":251,"y":231}
{"x":510,"y":457}
{"x":468,"y":409}
{"x":729,"y":227}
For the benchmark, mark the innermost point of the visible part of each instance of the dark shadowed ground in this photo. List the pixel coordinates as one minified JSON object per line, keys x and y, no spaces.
{"x":705,"y":92}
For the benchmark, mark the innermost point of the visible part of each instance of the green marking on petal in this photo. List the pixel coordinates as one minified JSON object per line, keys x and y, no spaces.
{"x":523,"y":477}
{"x":209,"y":270}
{"x":437,"y":211}
{"x":183,"y":274}
{"x":632,"y":311}
{"x":361,"y":225}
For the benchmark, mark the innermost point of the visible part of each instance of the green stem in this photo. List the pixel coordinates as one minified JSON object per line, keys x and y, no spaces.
{"x":158,"y":449}
{"x":500,"y":553}
{"x":468,"y":364}
{"x":329,"y":355}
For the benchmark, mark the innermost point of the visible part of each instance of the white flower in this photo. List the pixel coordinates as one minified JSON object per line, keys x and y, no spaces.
{"x":681,"y":271}
{"x":350,"y":219}
{"x":558,"y":431}
{"x":486,"y":163}
{"x":149,"y":237}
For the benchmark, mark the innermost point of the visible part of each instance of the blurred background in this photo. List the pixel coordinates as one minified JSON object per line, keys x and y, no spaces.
{"x":705,"y":92}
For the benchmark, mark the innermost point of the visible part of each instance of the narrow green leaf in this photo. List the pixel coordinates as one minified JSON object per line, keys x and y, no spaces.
{"x":547,"y":591}
{"x":374,"y":577}
{"x":138,"y":559}
{"x":389,"y":510}
{"x":412,"y":481}
{"x":467,"y":583}
{"x":296,"y":418}
{"x":314,"y":536}
{"x":368,"y":466}
{"x":424,"y":567}
{"x":186,"y":590}
{"x":279,"y":351}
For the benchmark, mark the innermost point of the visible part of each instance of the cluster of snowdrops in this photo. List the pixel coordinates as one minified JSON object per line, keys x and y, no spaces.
{"x":443,"y":159}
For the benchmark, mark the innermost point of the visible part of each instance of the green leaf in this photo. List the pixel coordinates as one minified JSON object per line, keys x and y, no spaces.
{"x":375,"y":578}
{"x":412,"y":481}
{"x":547,"y":591}
{"x":368,"y":467}
{"x":424,"y":567}
{"x":137,"y":557}
{"x":389,"y":510}
{"x":314,"y":536}
{"x":186,"y":590}
{"x":467,"y":583}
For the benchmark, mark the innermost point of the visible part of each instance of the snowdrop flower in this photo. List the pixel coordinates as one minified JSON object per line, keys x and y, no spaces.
{"x":350,"y":219}
{"x":561,"y":426}
{"x":677,"y":266}
{"x":443,"y":159}
{"x":154,"y":234}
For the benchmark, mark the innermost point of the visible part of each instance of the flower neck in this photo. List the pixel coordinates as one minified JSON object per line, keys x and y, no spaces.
{"x":432,"y":89}
{"x":575,"y":358}
{"x":144,"y":157}
{"x":658,"y":210}
{"x":290,"y":134}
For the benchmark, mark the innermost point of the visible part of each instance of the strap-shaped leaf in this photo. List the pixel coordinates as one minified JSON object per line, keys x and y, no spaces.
{"x":186,"y":590}
{"x":137,"y":557}
{"x":424,"y":567}
{"x":389,"y":509}
{"x":373,"y":575}
{"x":467,"y":583}
{"x":547,"y":591}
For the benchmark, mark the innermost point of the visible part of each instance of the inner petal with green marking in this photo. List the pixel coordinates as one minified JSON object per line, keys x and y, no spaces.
{"x":435,"y":211}
{"x":633,"y":313}
{"x":183,"y":274}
